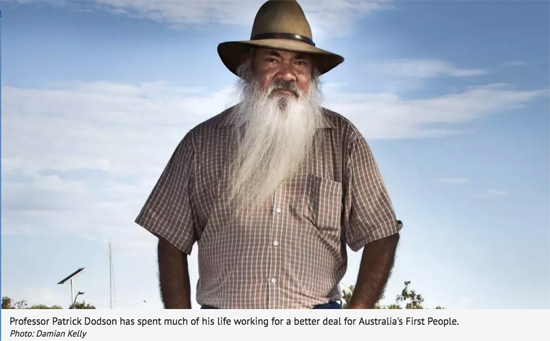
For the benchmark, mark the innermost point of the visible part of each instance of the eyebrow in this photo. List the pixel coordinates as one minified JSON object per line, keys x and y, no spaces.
{"x":277,"y":54}
{"x":274,"y":53}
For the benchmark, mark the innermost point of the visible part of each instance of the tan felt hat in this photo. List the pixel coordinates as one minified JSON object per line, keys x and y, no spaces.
{"x":281,"y":25}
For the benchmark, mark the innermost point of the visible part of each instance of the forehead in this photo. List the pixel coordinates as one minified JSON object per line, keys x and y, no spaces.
{"x":261,"y":51}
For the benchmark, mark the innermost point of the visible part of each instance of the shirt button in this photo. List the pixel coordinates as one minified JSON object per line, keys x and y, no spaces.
{"x":278,"y":210}
{"x":275,"y":243}
{"x":273,"y":280}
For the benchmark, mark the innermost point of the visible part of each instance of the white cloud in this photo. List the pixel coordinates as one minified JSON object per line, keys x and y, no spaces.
{"x":126,"y":133}
{"x":388,"y":116}
{"x":466,"y":303}
{"x":329,"y":18}
{"x":44,"y":296}
{"x":453,"y":180}
{"x":422,"y":69}
{"x":99,"y":125}
{"x":49,"y":2}
{"x":513,"y":63}
{"x":326,"y":17}
{"x":492,"y":194}
{"x":496,"y":192}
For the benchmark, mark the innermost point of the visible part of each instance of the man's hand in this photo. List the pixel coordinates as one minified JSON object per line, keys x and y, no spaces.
{"x":174,"y":276}
{"x":376,"y":265}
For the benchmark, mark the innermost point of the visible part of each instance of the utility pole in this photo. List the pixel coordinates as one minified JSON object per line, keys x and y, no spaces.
{"x":70,"y":278}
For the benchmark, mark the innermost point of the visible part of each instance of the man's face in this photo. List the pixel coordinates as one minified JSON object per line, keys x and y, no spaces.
{"x":271,"y":66}
{"x":277,"y":117}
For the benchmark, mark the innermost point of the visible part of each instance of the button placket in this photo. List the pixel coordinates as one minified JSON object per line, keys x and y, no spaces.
{"x":273,"y":264}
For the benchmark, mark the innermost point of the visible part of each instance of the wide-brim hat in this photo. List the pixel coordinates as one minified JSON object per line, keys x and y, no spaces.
{"x":281,"y":25}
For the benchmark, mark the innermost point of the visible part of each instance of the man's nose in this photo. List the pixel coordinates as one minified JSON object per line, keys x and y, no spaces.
{"x":287,"y":72}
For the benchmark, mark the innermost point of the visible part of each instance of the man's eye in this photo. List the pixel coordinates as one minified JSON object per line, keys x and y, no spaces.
{"x":301,"y":62}
{"x":271,"y":60}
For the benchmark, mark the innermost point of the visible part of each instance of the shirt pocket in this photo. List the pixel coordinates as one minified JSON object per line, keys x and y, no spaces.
{"x":324,"y":201}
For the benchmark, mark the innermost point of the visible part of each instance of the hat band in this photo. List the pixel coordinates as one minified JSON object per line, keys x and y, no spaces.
{"x":284,"y":36}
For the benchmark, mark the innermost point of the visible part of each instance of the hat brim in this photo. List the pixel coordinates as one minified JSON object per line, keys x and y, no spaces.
{"x":231,"y":52}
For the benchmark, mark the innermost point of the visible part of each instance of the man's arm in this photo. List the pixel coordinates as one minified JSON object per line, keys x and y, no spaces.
{"x":374,"y":271}
{"x":174,"y":276}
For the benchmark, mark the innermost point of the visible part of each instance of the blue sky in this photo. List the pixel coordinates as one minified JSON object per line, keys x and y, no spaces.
{"x":451,"y":95}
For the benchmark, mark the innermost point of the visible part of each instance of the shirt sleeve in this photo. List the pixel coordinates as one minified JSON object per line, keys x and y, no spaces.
{"x":368,"y":210}
{"x":167,"y":212}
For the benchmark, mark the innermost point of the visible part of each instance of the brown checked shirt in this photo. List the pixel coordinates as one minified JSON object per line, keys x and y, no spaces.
{"x":291,"y":253}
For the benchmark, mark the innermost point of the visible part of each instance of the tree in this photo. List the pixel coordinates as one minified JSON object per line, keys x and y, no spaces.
{"x":346,"y":295}
{"x":415,"y":300}
{"x":42,"y":306}
{"x":7,"y":304}
{"x":411,"y":299}
{"x":81,"y":305}
{"x":21,"y":305}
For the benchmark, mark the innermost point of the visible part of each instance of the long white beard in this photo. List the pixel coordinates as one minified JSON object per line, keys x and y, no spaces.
{"x":277,"y":133}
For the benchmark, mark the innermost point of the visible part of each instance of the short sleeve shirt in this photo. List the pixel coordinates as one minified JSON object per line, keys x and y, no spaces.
{"x":290,"y":253}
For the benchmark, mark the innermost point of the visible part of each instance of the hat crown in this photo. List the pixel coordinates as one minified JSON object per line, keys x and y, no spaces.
{"x":281,"y":16}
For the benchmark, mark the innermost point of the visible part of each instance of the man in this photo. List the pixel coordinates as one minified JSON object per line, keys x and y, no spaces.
{"x":273,"y":188}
